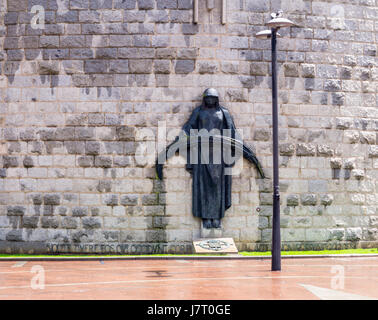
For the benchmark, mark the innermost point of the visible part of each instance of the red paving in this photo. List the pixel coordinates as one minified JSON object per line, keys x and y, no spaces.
{"x":188,"y":279}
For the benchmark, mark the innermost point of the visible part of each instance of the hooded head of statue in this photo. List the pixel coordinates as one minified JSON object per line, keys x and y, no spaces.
{"x":211,"y":98}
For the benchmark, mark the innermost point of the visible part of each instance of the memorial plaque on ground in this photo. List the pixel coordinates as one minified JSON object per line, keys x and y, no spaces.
{"x":218,"y":245}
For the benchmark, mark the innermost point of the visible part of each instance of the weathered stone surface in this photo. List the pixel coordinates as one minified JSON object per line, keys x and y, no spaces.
{"x":30,"y":222}
{"x":184,"y":66}
{"x":14,"y":235}
{"x":156,"y":235}
{"x":308,"y":71}
{"x":162,"y":66}
{"x":287,"y":149}
{"x":326,"y":199}
{"x":317,"y":186}
{"x":146,"y":4}
{"x":208,"y":67}
{"x":3,"y":172}
{"x":308,"y":199}
{"x":64,"y":134}
{"x":69,"y":223}
{"x":317,"y":234}
{"x":236,"y":95}
{"x":51,"y":199}
{"x":266,"y":199}
{"x":306,"y":149}
{"x":246,"y":81}
{"x":49,"y":222}
{"x":48,"y":68}
{"x":367,"y":137}
{"x":291,"y":70}
{"x":166,"y":4}
{"x":129,"y":5}
{"x":336,"y":163}
{"x":79,"y":211}
{"x":349,"y":164}
{"x":259,"y":69}
{"x":10,"y":162}
{"x":75,"y":147}
{"x":358,"y":174}
{"x":104,"y":186}
{"x":150,"y":199}
{"x":324,"y":150}
{"x":185,"y":4}
{"x":262,"y":134}
{"x":122,"y":161}
{"x":91,"y":223}
{"x":266,"y":235}
{"x":125,"y":133}
{"x":85,"y":161}
{"x":16,"y":210}
{"x":129,"y":200}
{"x":28,"y":162}
{"x":292,"y":200}
{"x":140,"y":66}
{"x":257,"y":6}
{"x":187,"y":53}
{"x":104,"y":162}
{"x":111,"y":200}
{"x":92,"y":147}
{"x":48,"y":210}
{"x":336,"y":234}
{"x":343,"y":123}
{"x":373,"y":151}
{"x":353,"y":234}
{"x":37,"y":199}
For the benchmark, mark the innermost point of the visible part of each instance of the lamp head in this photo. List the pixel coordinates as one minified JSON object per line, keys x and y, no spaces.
{"x":278,"y":21}
{"x":266,"y":34}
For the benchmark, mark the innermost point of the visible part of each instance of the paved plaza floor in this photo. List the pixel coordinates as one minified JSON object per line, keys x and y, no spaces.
{"x":310,"y":278}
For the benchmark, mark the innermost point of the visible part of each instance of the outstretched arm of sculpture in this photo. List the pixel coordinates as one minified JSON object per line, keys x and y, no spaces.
{"x":159,"y":170}
{"x":251,"y":157}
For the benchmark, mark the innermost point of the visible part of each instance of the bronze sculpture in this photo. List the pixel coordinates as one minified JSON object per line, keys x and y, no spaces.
{"x":211,"y":190}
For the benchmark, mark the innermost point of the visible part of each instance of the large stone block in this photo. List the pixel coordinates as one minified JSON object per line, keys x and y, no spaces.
{"x":184,"y":66}
{"x":91,"y":223}
{"x":69,"y":223}
{"x":353,"y":234}
{"x":306,"y":149}
{"x":292,"y":200}
{"x":16,"y":210}
{"x":293,"y":234}
{"x":257,"y":6}
{"x":287,"y":149}
{"x":14,"y":235}
{"x":50,"y":222}
{"x":308,"y":199}
{"x":51,"y":199}
{"x":166,"y":4}
{"x":317,"y":235}
{"x":373,"y":151}
{"x":317,"y":186}
{"x":79,"y":211}
{"x":140,"y":66}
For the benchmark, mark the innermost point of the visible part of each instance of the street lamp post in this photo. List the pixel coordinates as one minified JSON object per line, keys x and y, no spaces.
{"x":276,"y":23}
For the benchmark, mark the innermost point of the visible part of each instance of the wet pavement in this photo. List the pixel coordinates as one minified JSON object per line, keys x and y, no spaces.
{"x":300,"y":279}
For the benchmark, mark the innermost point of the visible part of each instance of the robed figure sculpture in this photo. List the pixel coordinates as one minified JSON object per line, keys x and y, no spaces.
{"x":210,"y":143}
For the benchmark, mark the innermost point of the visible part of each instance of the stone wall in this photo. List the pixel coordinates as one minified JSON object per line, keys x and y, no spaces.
{"x":77,"y":93}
